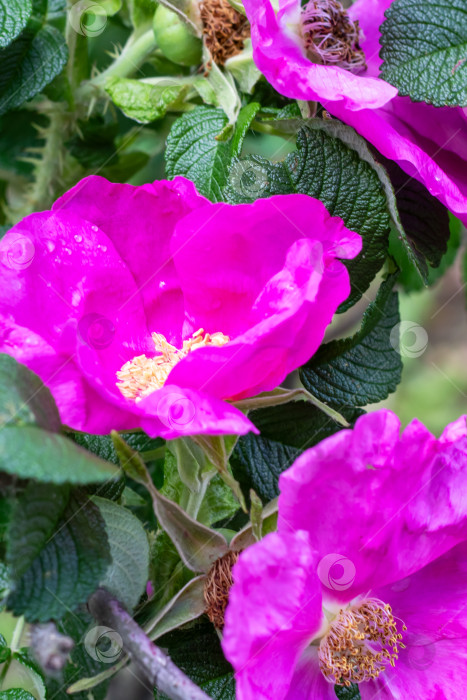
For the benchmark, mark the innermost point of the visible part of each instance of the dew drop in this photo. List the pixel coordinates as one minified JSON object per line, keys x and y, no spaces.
{"x":50,"y":245}
{"x":162,"y":284}
{"x":94,"y":228}
{"x":78,"y":238}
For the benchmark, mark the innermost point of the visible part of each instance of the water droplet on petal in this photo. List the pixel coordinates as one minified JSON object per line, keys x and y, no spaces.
{"x":162,"y":284}
{"x":94,"y":228}
{"x":50,"y":245}
{"x":78,"y":238}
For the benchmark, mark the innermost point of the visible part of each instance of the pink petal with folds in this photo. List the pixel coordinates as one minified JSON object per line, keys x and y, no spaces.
{"x":431,"y":602}
{"x":273,"y":613}
{"x":140,"y":222}
{"x":272,"y":295}
{"x":407,"y":495}
{"x":279,"y":56}
{"x":308,"y":683}
{"x":174,"y":411}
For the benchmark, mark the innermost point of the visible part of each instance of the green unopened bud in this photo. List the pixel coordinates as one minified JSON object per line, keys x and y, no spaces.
{"x":174,"y":38}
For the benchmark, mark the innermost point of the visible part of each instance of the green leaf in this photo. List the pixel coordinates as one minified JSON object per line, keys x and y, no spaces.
{"x":22,"y":674}
{"x":31,"y":453}
{"x":425,"y":50}
{"x":356,"y":195}
{"x":141,"y":12}
{"x":13,"y":17}
{"x":351,"y":693}
{"x":68,"y":569}
{"x":145,"y":102}
{"x":285,"y":432}
{"x":34,"y":519}
{"x":424,"y":219}
{"x":193,"y":149}
{"x":198,"y":653}
{"x":127,"y":575}
{"x":16,"y":694}
{"x":30,"y":63}
{"x":102,"y":445}
{"x":24,"y":399}
{"x":365,"y":368}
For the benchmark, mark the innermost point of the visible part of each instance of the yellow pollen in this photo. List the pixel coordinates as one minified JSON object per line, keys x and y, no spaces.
{"x":142,"y":375}
{"x":361,"y":642}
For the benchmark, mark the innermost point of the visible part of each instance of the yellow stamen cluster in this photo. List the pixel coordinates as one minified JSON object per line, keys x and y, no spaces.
{"x":360,"y":644}
{"x":142,"y":375}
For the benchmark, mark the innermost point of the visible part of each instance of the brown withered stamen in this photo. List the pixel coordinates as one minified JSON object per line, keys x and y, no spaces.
{"x":217,"y":587}
{"x":224,"y":29}
{"x":331,"y":37}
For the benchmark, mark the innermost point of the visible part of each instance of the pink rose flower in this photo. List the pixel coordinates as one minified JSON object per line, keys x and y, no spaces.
{"x":298,"y":54}
{"x":152,"y":307}
{"x":365,"y":580}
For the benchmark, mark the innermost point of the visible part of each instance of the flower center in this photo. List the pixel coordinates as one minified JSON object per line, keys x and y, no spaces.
{"x":217,"y":587}
{"x":225,"y":29}
{"x":142,"y":375}
{"x":330,"y":36}
{"x":361,"y":642}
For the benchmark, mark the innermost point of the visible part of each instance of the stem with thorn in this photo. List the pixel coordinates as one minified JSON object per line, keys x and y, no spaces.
{"x":160,"y":671}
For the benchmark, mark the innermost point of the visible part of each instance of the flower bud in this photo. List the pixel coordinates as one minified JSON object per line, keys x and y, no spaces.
{"x":174,"y":38}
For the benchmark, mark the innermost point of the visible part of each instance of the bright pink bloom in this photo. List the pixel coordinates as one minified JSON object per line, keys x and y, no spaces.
{"x":85,"y":286}
{"x":429,"y":143}
{"x":368,"y":518}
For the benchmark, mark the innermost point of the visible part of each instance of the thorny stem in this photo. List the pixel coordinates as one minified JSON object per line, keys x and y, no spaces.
{"x":159,"y":670}
{"x":133,"y":55}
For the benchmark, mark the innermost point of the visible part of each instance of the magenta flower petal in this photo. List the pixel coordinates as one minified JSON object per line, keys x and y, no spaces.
{"x":175,"y":411}
{"x":308,"y":683}
{"x":405,"y":476}
{"x":105,"y":294}
{"x":279,"y":55}
{"x":264,"y":642}
{"x":431,"y":602}
{"x":273,"y":295}
{"x":140,"y":222}
{"x":406,"y":495}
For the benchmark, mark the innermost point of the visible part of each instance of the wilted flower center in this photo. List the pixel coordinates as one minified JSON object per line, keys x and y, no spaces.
{"x":142,"y":375}
{"x":361,"y":642}
{"x":330,"y":36}
{"x":217,"y":587}
{"x":224,"y":29}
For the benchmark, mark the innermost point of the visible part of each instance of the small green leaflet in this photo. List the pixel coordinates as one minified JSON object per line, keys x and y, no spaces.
{"x":195,"y":150}
{"x":425,"y":50}
{"x":144,"y":102}
{"x":365,"y":368}
{"x":13,"y":17}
